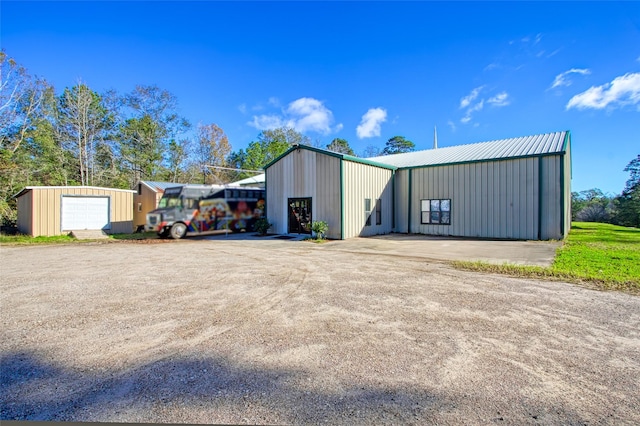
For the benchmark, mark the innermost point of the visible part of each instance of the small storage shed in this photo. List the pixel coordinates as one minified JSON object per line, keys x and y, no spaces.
{"x":56,"y":210}
{"x":146,"y":198}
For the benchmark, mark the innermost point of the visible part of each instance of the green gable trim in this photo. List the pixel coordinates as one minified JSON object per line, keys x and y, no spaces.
{"x":331,"y":154}
{"x":368,"y":162}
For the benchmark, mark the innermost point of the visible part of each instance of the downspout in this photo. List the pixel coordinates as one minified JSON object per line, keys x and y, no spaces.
{"x":341,"y":199}
{"x":393,"y":201}
{"x":409,"y":204}
{"x":562,"y":206}
{"x":540,"y":186}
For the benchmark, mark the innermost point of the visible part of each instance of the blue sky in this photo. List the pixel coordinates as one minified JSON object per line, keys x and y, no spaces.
{"x":362,"y":71}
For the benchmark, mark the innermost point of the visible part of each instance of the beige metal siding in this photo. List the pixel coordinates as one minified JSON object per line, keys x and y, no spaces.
{"x":364,"y":181}
{"x":149,"y":198}
{"x":304,"y":174}
{"x":488,"y":199}
{"x":326,"y":205}
{"x":551,"y":212}
{"x":401,"y":197}
{"x":46,"y":208}
{"x":25,"y":218}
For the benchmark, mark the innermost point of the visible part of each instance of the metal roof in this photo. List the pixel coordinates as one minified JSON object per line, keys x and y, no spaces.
{"x":526,"y":146}
{"x":160,"y":186}
{"x":249,"y":181}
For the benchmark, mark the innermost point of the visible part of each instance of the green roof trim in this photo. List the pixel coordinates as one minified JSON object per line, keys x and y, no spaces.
{"x":331,"y":154}
{"x":486,"y":160}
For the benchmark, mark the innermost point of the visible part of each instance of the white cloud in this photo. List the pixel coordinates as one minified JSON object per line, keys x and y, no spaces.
{"x":273,"y":101}
{"x":370,"y":124}
{"x":242,"y":108}
{"x":308,"y":114}
{"x":266,"y":122}
{"x":499,"y":100}
{"x":476,"y":107}
{"x":623,"y":90}
{"x":303,"y":115}
{"x":452,"y":125}
{"x":466,"y":101}
{"x":563,"y":80}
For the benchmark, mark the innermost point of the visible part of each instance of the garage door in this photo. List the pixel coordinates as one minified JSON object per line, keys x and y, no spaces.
{"x":85,"y":213}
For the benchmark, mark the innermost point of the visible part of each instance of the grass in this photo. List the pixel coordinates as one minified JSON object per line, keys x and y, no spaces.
{"x":605,"y":256}
{"x":27,"y":239}
{"x":66,"y":239}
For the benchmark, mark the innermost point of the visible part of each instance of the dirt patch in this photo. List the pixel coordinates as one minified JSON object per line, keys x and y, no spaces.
{"x":270,"y":331}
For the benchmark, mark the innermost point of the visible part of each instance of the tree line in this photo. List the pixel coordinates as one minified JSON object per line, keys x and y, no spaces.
{"x":82,"y":137}
{"x":593,"y":205}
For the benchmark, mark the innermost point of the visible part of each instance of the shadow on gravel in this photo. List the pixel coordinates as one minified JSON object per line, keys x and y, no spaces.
{"x":215,"y":391}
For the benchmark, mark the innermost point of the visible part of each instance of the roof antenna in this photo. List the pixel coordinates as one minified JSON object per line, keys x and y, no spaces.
{"x":435,"y":138}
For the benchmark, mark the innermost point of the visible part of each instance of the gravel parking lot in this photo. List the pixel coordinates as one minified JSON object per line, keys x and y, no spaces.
{"x":286,"y":332}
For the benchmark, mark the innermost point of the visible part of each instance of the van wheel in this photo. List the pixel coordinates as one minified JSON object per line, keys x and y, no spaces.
{"x":178,"y":230}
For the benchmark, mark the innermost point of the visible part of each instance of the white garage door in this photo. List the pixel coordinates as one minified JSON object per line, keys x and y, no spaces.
{"x":85,"y":213}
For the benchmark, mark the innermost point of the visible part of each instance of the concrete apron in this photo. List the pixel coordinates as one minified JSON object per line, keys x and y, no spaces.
{"x":540,"y":253}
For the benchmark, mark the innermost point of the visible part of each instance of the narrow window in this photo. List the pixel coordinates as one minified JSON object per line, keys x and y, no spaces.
{"x":139,"y":207}
{"x":367,"y":212}
{"x":378,"y":211}
{"x":435,"y":211}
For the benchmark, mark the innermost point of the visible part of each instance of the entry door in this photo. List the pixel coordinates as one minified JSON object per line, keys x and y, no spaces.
{"x":299,"y":215}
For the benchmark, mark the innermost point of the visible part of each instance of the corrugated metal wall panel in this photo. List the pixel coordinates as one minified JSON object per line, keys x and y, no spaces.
{"x":305,"y":174}
{"x":551,"y":211}
{"x":327,"y":201}
{"x":25,"y":216}
{"x":488,"y":200}
{"x":402,"y":189}
{"x":363,"y":181}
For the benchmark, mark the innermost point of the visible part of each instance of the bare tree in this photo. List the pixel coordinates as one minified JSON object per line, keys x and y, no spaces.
{"x":212,"y":149}
{"x":82,"y":122}
{"x":20,"y":98}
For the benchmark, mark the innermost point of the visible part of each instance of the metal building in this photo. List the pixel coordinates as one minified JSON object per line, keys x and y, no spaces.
{"x":518,"y":188}
{"x":56,"y":210}
{"x":353,"y":195}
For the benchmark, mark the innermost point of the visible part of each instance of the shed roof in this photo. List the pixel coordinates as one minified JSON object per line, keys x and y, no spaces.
{"x":30,"y":188}
{"x":160,"y":186}
{"x":526,"y":146}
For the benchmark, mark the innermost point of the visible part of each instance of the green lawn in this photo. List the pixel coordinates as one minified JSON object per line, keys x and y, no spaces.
{"x":606,"y":256}
{"x":58,"y":239}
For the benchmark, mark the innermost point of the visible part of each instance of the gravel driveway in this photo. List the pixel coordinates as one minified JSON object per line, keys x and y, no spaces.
{"x":280,"y":332}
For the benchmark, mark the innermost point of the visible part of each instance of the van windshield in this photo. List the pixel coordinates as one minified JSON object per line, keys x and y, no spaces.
{"x":170,"y":200}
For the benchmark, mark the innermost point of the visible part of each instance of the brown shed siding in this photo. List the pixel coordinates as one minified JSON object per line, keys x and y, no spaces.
{"x":42,"y":207}
{"x":149,"y":199}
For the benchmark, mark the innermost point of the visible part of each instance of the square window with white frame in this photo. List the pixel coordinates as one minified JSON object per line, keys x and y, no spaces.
{"x":435,"y":211}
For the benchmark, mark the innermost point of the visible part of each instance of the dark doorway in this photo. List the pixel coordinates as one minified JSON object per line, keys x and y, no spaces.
{"x":299,"y":215}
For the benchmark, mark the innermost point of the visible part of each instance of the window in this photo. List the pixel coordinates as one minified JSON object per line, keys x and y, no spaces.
{"x":367,"y":212}
{"x":139,"y":207}
{"x":378,"y":211}
{"x":435,"y":212}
